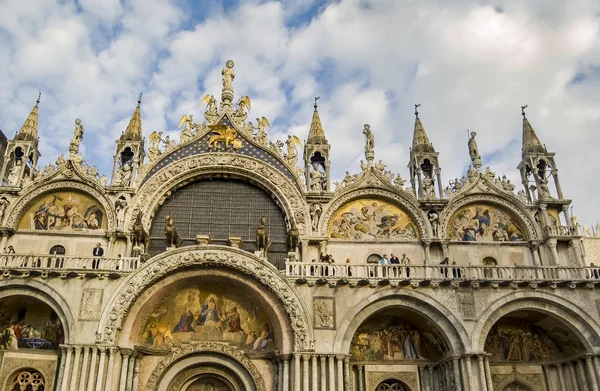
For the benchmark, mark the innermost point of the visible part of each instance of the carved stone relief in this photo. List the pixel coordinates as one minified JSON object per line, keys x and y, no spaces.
{"x":467,"y":304}
{"x":122,"y":300}
{"x":324,"y":312}
{"x":183,"y":350}
{"x":91,"y":303}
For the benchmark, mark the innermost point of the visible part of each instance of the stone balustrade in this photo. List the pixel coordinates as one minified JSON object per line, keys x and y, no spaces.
{"x":65,"y":264}
{"x":560,"y":231}
{"x":375,"y":272}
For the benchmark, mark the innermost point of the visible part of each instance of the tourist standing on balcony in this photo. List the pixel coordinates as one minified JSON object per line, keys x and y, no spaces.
{"x":384,"y":261}
{"x":395,"y":261}
{"x":97,"y":252}
{"x":444,"y":270}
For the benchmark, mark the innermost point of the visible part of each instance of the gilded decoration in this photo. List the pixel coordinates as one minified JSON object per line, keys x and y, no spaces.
{"x":482,"y":222}
{"x":371,"y":219}
{"x":396,"y":336}
{"x":531,"y":337}
{"x":64,"y":211}
{"x":208,"y":312}
{"x":122,"y":300}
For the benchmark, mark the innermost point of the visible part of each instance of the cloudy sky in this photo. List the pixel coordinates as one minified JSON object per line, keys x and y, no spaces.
{"x":471,"y":65}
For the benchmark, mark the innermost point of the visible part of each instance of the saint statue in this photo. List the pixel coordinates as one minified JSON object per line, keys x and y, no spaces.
{"x":125,"y":174}
{"x":14,"y":174}
{"x":428,"y":187}
{"x":316,"y":179}
{"x":473,"y":150}
{"x":228,"y":74}
{"x":370,"y":139}
{"x":3,"y":205}
{"x":78,"y":133}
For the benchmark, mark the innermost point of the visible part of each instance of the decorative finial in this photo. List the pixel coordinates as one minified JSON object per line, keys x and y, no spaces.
{"x":37,"y":102}
{"x":416,"y":109}
{"x":523,"y":110}
{"x":140,"y":99}
{"x":316,"y":99}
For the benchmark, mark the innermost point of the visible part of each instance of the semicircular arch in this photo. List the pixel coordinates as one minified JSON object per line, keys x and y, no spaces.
{"x":182,"y":172}
{"x":186,"y":356}
{"x":572,"y":317}
{"x":403,"y":203}
{"x":515,"y":210}
{"x":131,"y":288}
{"x":21,"y":204}
{"x":450,"y":327}
{"x":48,"y":296}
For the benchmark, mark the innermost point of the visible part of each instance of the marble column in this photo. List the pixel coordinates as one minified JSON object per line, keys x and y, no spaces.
{"x":130,"y":368}
{"x":463,"y":374}
{"x":61,"y":368}
{"x":323,"y":359}
{"x":426,"y":245}
{"x":100,"y":380}
{"x":469,"y":373}
{"x":286,"y":373}
{"x":429,"y":378}
{"x":66,"y":380}
{"x":361,"y":377}
{"x":481,"y":371}
{"x":297,"y":376}
{"x":305,"y":377}
{"x":422,"y":377}
{"x":551,"y":243}
{"x":340,"y":372}
{"x":572,"y":371}
{"x":125,"y":354}
{"x":110,"y":370}
{"x":488,"y":374}
{"x":582,"y":377}
{"x":136,"y":375}
{"x":597,"y":365}
{"x":75,"y":368}
{"x":331,"y":360}
{"x":84,"y":368}
{"x":561,"y":377}
{"x":456,"y":370}
{"x":315,"y":372}
{"x":279,"y":374}
{"x":591,"y":373}
{"x":93,"y":369}
{"x":347,"y":374}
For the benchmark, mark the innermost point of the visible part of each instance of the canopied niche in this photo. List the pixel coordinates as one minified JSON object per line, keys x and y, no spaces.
{"x":371,"y":219}
{"x":207,"y":309}
{"x":29,"y":323}
{"x":396,"y":334}
{"x":64,"y":211}
{"x":483,"y":222}
{"x":529,"y":336}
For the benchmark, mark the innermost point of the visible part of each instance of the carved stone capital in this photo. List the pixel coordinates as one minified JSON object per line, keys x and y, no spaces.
{"x":551,"y":243}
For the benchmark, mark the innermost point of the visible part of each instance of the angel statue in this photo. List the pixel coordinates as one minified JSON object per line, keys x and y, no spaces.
{"x":243,"y":107}
{"x":292,"y":155}
{"x":153,"y":144}
{"x":211,"y":108}
{"x":261,"y":135}
{"x":187,"y":132}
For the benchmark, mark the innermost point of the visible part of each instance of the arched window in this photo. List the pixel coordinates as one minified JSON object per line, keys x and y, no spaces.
{"x":490,"y":261}
{"x":29,"y":380}
{"x":373,"y":258}
{"x":391,"y":385}
{"x":58,"y":250}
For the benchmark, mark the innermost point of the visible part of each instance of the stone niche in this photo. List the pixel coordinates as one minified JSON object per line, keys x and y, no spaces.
{"x":13,"y":363}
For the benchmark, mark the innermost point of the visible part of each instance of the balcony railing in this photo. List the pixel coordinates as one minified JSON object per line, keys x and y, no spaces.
{"x":375,"y":272}
{"x":64,"y":264}
{"x":560,"y":230}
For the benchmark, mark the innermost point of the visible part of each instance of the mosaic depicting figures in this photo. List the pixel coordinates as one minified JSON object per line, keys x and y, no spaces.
{"x":370,"y":219}
{"x":519,"y":339}
{"x":64,"y":211}
{"x":208,"y":313}
{"x":395,"y":337}
{"x":484,"y":223}
{"x":27,"y":323}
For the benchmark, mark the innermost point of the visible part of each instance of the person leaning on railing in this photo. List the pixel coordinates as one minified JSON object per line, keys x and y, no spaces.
{"x":97,"y":253}
{"x":594,"y":272}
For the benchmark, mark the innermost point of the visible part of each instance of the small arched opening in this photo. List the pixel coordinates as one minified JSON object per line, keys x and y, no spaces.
{"x":57,"y":250}
{"x":392,"y":385}
{"x":517,"y":386}
{"x":27,"y":380}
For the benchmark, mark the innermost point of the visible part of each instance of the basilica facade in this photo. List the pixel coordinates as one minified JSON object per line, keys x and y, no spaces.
{"x":229,"y":261}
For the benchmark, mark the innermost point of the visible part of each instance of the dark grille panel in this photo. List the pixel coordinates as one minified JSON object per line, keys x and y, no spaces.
{"x":221,"y":208}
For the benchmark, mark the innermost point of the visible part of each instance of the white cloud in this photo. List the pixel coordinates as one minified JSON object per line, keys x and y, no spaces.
{"x":471,"y":66}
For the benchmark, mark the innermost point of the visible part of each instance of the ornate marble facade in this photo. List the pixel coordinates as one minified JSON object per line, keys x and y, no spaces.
{"x":135,"y":282}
